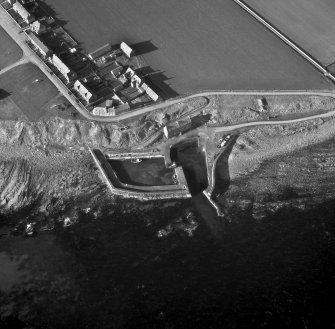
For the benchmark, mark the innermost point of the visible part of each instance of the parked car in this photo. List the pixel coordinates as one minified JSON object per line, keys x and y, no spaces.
{"x":224,"y":141}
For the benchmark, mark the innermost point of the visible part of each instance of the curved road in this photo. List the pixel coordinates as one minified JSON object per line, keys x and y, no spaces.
{"x":268,"y":123}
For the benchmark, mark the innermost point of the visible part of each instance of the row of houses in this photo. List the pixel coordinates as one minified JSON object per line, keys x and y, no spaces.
{"x":80,"y":88}
{"x":111,"y":107}
{"x":68,"y":74}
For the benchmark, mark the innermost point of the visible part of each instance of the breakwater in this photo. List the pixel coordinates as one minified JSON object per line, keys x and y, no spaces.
{"x":179,"y":190}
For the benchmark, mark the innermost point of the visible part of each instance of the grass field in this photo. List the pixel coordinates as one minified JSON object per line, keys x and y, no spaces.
{"x":309,"y":23}
{"x":10,"y":52}
{"x":29,"y":96}
{"x":196,"y":44}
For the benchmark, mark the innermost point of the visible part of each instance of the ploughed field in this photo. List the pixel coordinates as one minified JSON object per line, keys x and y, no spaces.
{"x":191,"y":45}
{"x":309,"y":23}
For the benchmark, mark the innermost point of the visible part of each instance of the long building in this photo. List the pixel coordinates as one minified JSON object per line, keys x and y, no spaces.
{"x":67,"y":73}
{"x":100,"y":52}
{"x":176,"y":128}
{"x":85,"y":93}
{"x":23,"y":12}
{"x":110,"y":111}
{"x":150,"y":92}
{"x":41,"y":47}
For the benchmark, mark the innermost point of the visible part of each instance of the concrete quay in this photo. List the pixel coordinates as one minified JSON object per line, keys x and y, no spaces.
{"x":177,"y":191}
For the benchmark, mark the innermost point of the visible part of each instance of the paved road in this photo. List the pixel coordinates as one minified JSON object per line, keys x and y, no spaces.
{"x":269,"y":123}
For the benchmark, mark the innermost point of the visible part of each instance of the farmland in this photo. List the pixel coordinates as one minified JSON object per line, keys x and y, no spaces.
{"x":10,"y":51}
{"x":28,"y":90}
{"x":190,"y":45}
{"x":309,"y":23}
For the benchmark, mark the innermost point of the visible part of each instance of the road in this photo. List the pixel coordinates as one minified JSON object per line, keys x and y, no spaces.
{"x":269,"y":123}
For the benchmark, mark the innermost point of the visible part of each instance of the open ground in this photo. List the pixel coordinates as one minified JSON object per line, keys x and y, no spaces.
{"x":190,"y":45}
{"x":308,"y":23}
{"x":10,"y":51}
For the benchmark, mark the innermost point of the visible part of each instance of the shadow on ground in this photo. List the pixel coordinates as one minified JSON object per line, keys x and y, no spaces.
{"x":4,"y":94}
{"x":143,"y":47}
{"x":222,"y":175}
{"x":158,"y":81}
{"x":50,"y":11}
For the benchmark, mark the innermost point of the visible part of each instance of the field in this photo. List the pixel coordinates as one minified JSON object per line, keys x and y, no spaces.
{"x":28,"y":90}
{"x":10,"y":52}
{"x":309,"y":23}
{"x":191,"y":45}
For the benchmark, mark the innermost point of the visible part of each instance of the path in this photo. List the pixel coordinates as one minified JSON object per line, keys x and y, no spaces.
{"x":22,"y":60}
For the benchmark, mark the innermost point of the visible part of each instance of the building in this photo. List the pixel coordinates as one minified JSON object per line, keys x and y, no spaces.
{"x":126,"y":76}
{"x":105,"y":49}
{"x":110,"y":111}
{"x":115,"y":69}
{"x":84,"y":92}
{"x":103,"y":111}
{"x":150,"y":92}
{"x":27,"y":2}
{"x":135,"y":81}
{"x":23,"y":12}
{"x":127,"y":50}
{"x":38,"y":28}
{"x":177,"y":128}
{"x":262,"y":104}
{"x":117,"y":85}
{"x":49,"y":20}
{"x":68,"y":74}
{"x":41,"y":47}
{"x":11,"y":2}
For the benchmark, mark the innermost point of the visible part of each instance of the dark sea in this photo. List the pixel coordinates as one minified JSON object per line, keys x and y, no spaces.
{"x":172,"y":265}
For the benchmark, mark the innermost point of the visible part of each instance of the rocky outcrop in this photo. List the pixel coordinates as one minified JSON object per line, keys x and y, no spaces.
{"x":15,"y":189}
{"x":62,"y":132}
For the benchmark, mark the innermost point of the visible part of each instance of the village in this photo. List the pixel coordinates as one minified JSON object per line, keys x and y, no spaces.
{"x":104,"y":82}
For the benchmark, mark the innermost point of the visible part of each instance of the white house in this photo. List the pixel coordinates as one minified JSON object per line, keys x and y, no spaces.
{"x":38,"y":28}
{"x":128,"y":51}
{"x":67,"y":73}
{"x":84,"y":92}
{"x":42,"y":48}
{"x":23,"y":12}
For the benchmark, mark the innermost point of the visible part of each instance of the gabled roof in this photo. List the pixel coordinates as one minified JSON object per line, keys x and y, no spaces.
{"x":83,"y":90}
{"x":100,"y":51}
{"x":42,"y":47}
{"x":60,"y":65}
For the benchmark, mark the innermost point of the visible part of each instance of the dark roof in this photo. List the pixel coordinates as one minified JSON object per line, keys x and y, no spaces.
{"x":100,"y":51}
